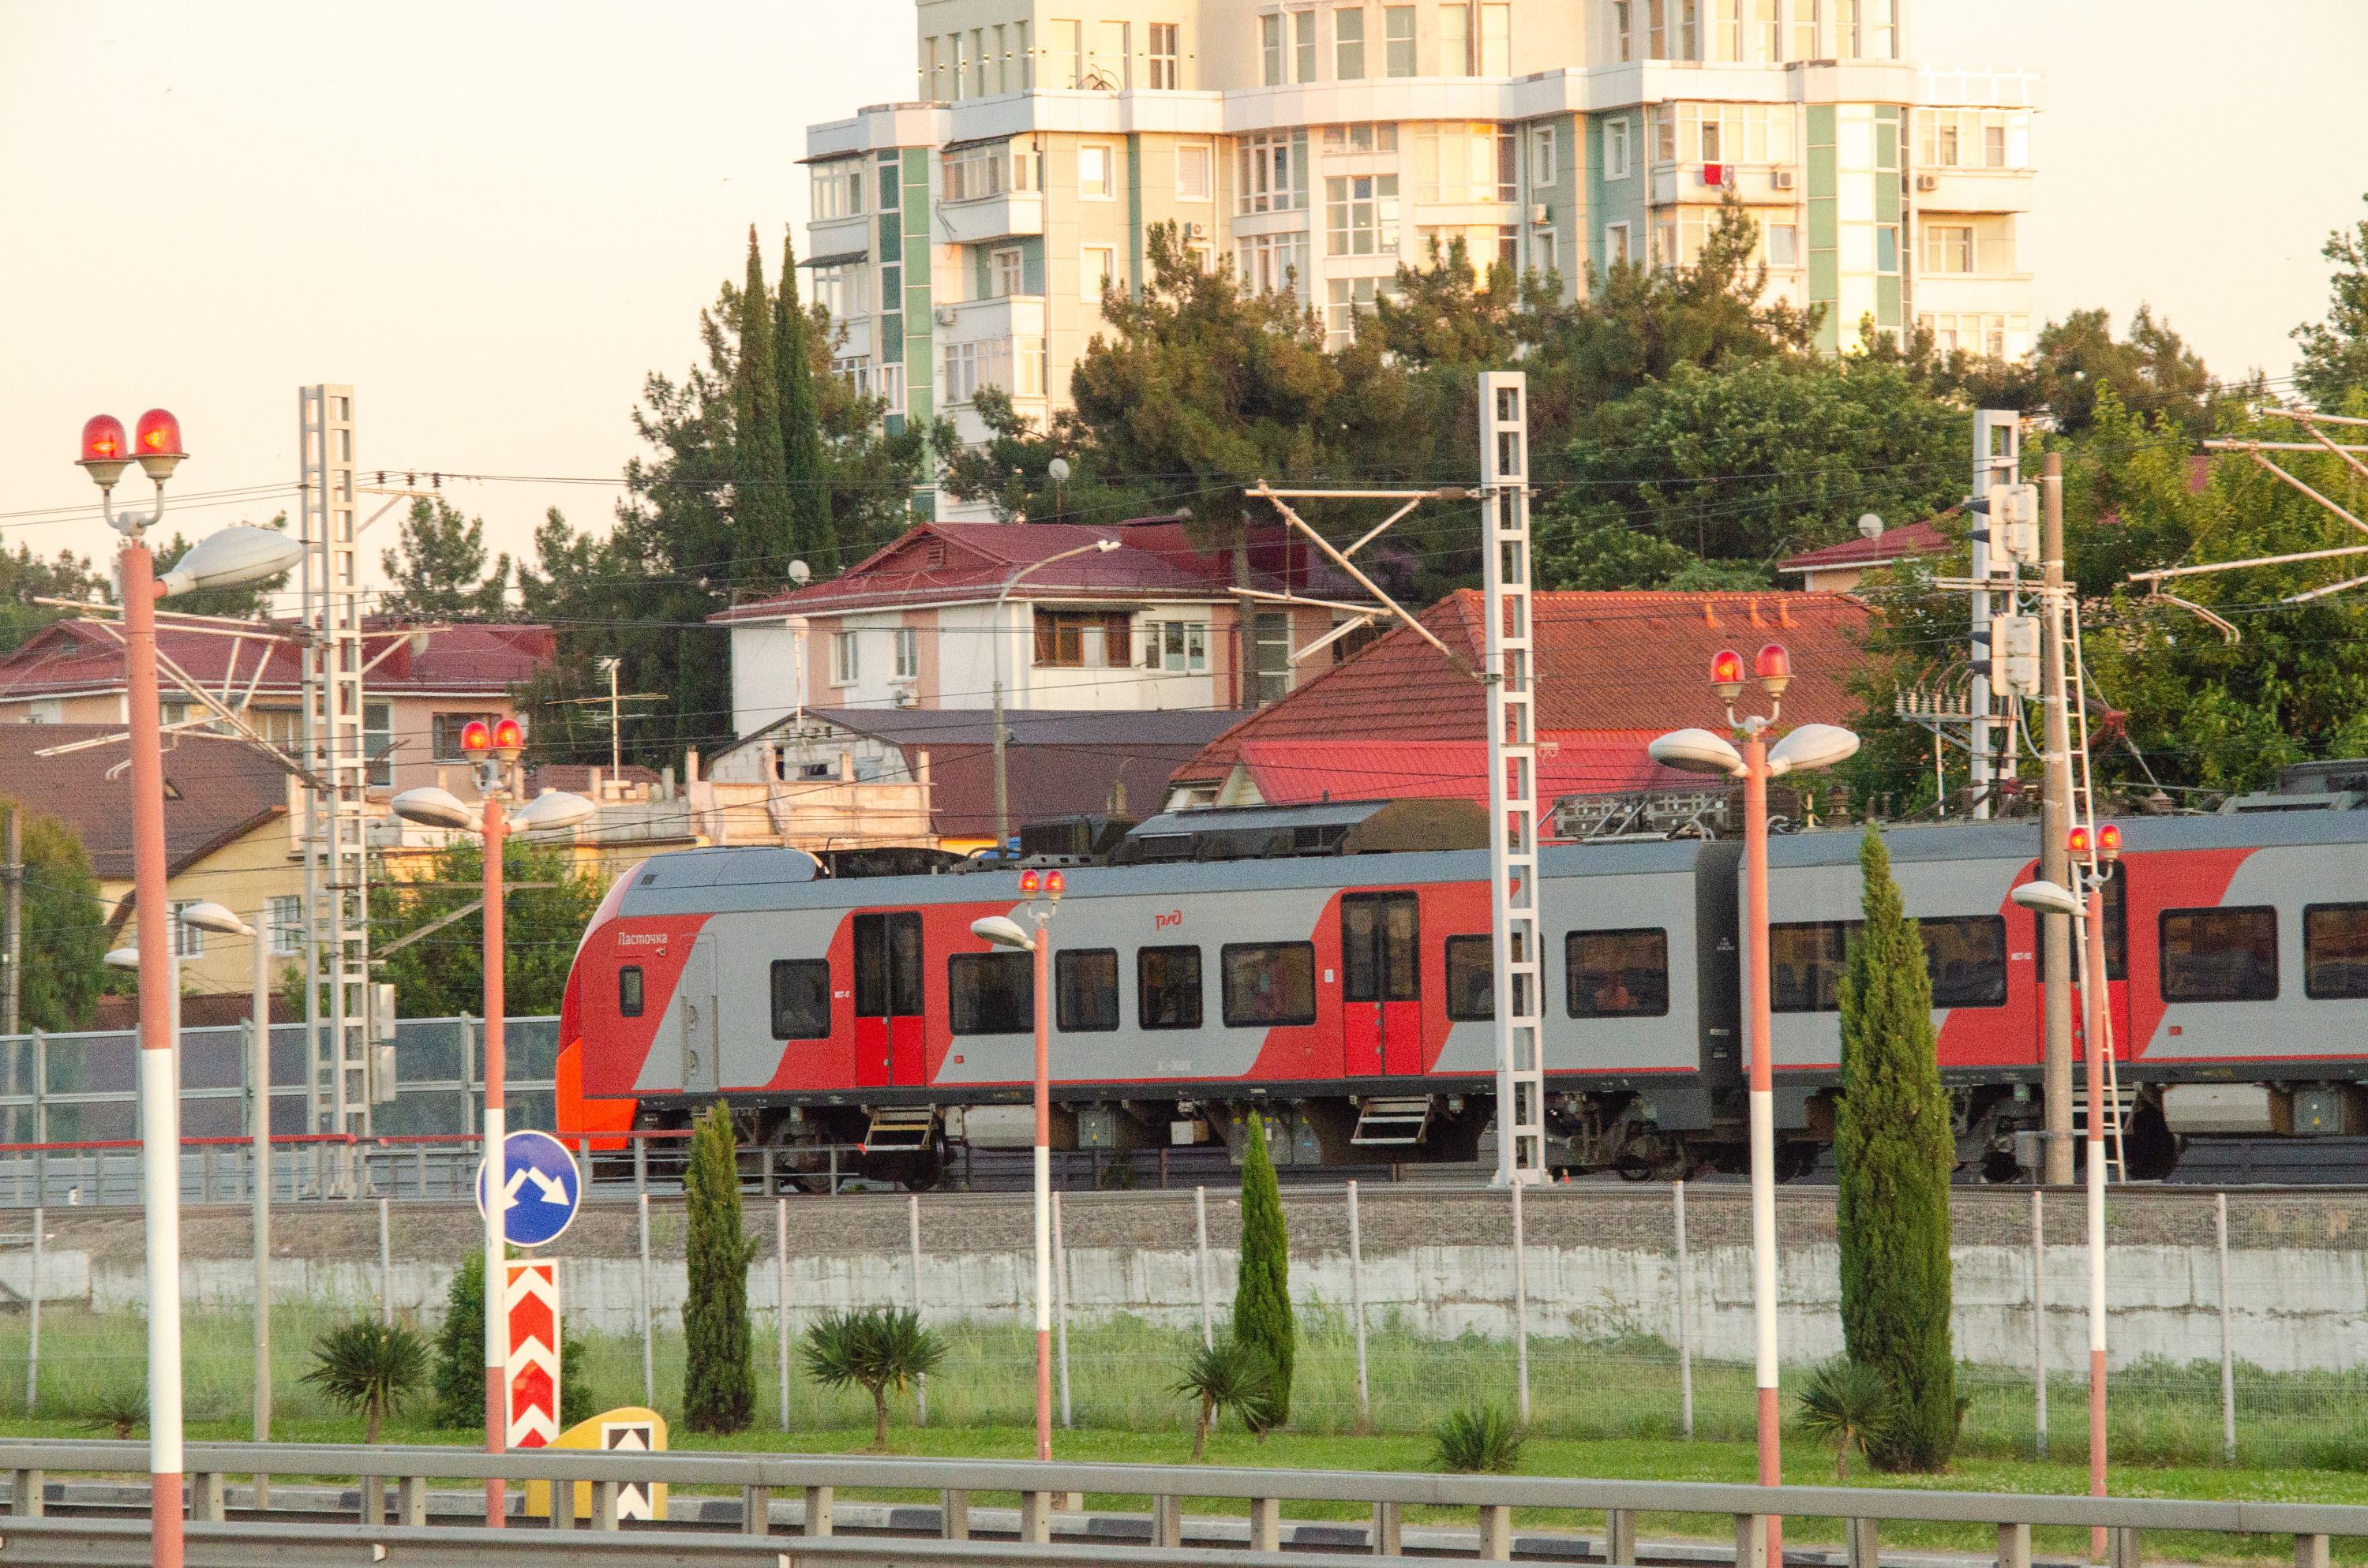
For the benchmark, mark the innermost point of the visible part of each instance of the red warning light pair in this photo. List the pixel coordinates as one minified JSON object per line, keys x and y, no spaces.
{"x":1051,"y":883}
{"x":478,"y":737}
{"x":1774,"y":668}
{"x":2108,"y":841}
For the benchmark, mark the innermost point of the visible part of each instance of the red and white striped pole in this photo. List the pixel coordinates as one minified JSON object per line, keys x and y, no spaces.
{"x":1763,"y":1127}
{"x":1040,"y":947}
{"x":496,"y":1197}
{"x":2099,"y":988}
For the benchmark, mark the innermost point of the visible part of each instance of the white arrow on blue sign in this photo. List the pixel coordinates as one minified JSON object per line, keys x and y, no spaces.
{"x":541,"y":1188}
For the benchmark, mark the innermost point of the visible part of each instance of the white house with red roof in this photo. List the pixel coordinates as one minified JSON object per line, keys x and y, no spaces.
{"x":939,"y":617}
{"x":1838,"y":568}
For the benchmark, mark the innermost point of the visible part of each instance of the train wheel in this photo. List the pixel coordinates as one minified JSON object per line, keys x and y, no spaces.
{"x":1795,"y":1161}
{"x":1634,"y":1167}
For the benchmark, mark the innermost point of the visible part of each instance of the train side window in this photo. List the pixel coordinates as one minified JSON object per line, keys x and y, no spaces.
{"x":801,"y":999}
{"x":1965,"y":956}
{"x":1616,"y":974}
{"x":628,"y":991}
{"x":2220,"y":954}
{"x":1167,"y":987}
{"x":1267,"y":983}
{"x":2117,"y":931}
{"x":990,"y":992}
{"x":1804,"y":965}
{"x":1471,"y":978}
{"x":2335,"y":951}
{"x":1085,"y":990}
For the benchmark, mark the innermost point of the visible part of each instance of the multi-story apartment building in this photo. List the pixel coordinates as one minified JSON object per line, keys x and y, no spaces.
{"x":964,"y":238}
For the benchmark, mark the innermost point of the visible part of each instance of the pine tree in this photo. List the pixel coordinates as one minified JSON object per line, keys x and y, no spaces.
{"x":719,"y":1375}
{"x":760,"y":506}
{"x":1894,"y":1150}
{"x":1262,"y":1317}
{"x":805,"y":458}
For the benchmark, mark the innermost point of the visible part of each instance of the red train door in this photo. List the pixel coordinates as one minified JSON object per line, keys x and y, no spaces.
{"x":888,"y":1000}
{"x":1380,"y":989}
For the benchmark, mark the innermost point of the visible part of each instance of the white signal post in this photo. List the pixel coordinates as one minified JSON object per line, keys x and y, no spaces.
{"x":235,"y":555}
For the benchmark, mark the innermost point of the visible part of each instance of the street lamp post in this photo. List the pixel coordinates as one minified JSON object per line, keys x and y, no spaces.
{"x":1002,"y":636}
{"x":1750,"y":757}
{"x":494,"y":749}
{"x":234,"y":555}
{"x":1006,"y":933}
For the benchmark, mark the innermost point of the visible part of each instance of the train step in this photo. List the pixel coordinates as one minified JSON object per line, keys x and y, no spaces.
{"x":1393,"y":1121}
{"x":900,"y":1129}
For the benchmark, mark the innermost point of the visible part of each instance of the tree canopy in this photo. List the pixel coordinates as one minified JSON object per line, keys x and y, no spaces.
{"x":442,"y":974}
{"x":66,"y":926}
{"x":2335,"y":351}
{"x":436,"y":569}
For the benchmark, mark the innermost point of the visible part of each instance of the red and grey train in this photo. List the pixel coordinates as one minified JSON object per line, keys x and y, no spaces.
{"x":1225,"y":963}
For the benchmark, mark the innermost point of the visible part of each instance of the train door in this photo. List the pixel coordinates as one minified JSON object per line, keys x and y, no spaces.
{"x":701,"y":1040}
{"x":1380,"y":989}
{"x":888,"y":1000}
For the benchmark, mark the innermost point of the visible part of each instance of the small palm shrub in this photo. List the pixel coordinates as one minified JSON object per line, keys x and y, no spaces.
{"x":118,"y":1411}
{"x":877,"y":1349}
{"x":367,"y":1368}
{"x":1228,"y":1377}
{"x":1847,"y":1404}
{"x":1476,"y":1440}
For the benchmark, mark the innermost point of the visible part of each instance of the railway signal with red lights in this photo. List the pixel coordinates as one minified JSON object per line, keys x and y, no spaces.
{"x":1027,"y":882}
{"x":2109,"y":843}
{"x":156,"y":442}
{"x":510,"y":739}
{"x":477,"y":737}
{"x":1055,"y":885}
{"x":1775,"y":669}
{"x":1727,"y":674}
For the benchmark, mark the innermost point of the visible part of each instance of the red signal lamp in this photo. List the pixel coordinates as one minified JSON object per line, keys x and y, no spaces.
{"x":156,"y":442}
{"x":1055,"y":884}
{"x":2077,"y":842}
{"x":1774,"y":667}
{"x":477,"y":737}
{"x":508,"y":738}
{"x":1027,"y":882}
{"x":2109,"y":843}
{"x":1727,"y":674}
{"x":105,"y":454}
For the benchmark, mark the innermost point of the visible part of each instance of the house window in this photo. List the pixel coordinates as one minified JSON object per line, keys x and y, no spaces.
{"x":1302,"y":45}
{"x":1061,"y":639}
{"x":1455,"y":38}
{"x":1271,"y":49}
{"x":1177,"y":647}
{"x":1268,"y":983}
{"x":1094,"y":179}
{"x":990,"y":993}
{"x":801,"y":998}
{"x":1273,"y":633}
{"x":1118,"y":640}
{"x":908,"y":652}
{"x":1168,"y":988}
{"x":1495,"y":40}
{"x":1397,"y":40}
{"x":1274,"y":172}
{"x":1616,"y":252}
{"x":1194,"y":162}
{"x":1886,"y":249}
{"x":444,"y":730}
{"x":1785,"y":244}
{"x":1805,"y":27}
{"x":844,"y":666}
{"x":1165,"y":76}
{"x":2220,"y":954}
{"x":377,"y":741}
{"x":1542,"y":154}
{"x":1098,"y":269}
{"x":1949,"y":247}
{"x":1623,"y":24}
{"x":1085,"y":990}
{"x":1616,"y":974}
{"x":1615,"y":148}
{"x":1272,"y":264}
{"x":1348,"y":43}
{"x":838,"y":189}
{"x":1009,"y":278}
{"x":1361,"y":215}
{"x":189,"y":941}
{"x":1349,"y":298}
{"x":287,"y":922}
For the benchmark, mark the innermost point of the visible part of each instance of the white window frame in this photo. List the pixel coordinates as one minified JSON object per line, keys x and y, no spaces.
{"x":1412,"y":42}
{"x":1166,"y":66}
{"x":189,"y":941}
{"x":1007,"y":271}
{"x":908,"y":652}
{"x":845,"y":659}
{"x":1618,"y":244}
{"x":1496,"y":50}
{"x":1085,"y":289}
{"x":1347,"y":198}
{"x":1792,"y":232}
{"x":1543,"y":240}
{"x":1619,"y":160}
{"x":1305,"y":53}
{"x":1205,"y":154}
{"x":1545,"y":163}
{"x":1273,"y":50}
{"x":1347,"y":20}
{"x":1108,"y":155}
{"x":1455,"y":38}
{"x":1942,"y":244}
{"x":285,"y":920}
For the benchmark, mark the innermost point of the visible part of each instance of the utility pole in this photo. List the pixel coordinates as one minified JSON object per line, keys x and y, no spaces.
{"x":12,"y":984}
{"x":1998,"y":453}
{"x":2054,"y":823}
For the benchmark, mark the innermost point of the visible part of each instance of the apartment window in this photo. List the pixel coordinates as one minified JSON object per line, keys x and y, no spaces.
{"x":1095,"y":182}
{"x":1117,"y":47}
{"x":630,"y":993}
{"x":287,"y":924}
{"x":1495,"y":40}
{"x":890,"y":387}
{"x":1004,"y":267}
{"x":1455,"y":40}
{"x":1616,"y":246}
{"x":444,"y":733}
{"x":908,"y":652}
{"x":1541,"y":250}
{"x":1164,"y":59}
{"x":1397,"y":40}
{"x":1348,"y":43}
{"x":1690,"y":30}
{"x":1725,"y":133}
{"x":932,"y":71}
{"x":1846,"y":34}
{"x":1347,"y":299}
{"x":1656,"y":29}
{"x":990,"y":993}
{"x":1364,"y":136}
{"x":1784,"y":242}
{"x":1615,"y":148}
{"x":978,"y":62}
{"x":1195,"y":163}
{"x":1361,"y":215}
{"x":1947,"y":247}
{"x":1267,"y":984}
{"x":801,"y":997}
{"x":961,"y":66}
{"x":960,"y":379}
{"x":1471,"y":978}
{"x":1098,"y":270}
{"x":1069,"y":41}
{"x":1272,"y":632}
{"x":1177,"y":647}
{"x":838,"y":189}
{"x":1964,"y":957}
{"x":1726,"y":29}
{"x":1002,"y":59}
{"x":1271,"y":49}
{"x":189,"y":941}
{"x":1085,"y":990}
{"x":1623,"y":25}
{"x":1886,"y":249}
{"x":1542,"y":155}
{"x":892,"y":297}
{"x":1302,"y":45}
{"x":844,"y":290}
{"x":1168,"y":988}
{"x":844,"y":664}
{"x":1026,"y":56}
{"x":1806,"y":28}
{"x":1616,"y":974}
{"x":985,"y":170}
{"x":1881,"y":18}
{"x":1767,"y":31}
{"x":1971,"y":138}
{"x":1273,"y":264}
{"x":1459,"y":162}
{"x":1273,"y":169}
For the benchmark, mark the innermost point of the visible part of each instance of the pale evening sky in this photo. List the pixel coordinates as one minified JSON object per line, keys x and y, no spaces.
{"x":493,"y":218}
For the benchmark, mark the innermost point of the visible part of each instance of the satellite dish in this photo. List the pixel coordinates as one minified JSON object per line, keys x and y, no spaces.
{"x":1870,"y":526}
{"x":801,"y":574}
{"x":1059,"y":469}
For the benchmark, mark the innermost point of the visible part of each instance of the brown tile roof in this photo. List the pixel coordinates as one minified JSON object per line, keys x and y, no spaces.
{"x":1615,"y":661}
{"x":83,"y":655}
{"x":1892,"y":544}
{"x":216,"y":790}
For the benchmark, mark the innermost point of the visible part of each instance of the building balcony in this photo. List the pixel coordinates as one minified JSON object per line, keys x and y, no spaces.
{"x":996,"y":320}
{"x":1686,"y":185}
{"x":2005,"y":293}
{"x":1973,"y":190}
{"x":839,"y":236}
{"x":1009,"y":215}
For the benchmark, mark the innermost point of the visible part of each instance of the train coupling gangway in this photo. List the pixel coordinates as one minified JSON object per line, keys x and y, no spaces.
{"x":1384,"y":1122}
{"x":900,"y":1129}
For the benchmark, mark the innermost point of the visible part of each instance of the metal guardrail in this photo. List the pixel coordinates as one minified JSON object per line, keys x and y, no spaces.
{"x":2311,"y":1526}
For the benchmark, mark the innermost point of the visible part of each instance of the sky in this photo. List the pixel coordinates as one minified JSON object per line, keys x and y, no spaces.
{"x":492,"y":219}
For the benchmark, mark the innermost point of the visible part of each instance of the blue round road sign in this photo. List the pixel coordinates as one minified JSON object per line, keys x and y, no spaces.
{"x":541,"y":1188}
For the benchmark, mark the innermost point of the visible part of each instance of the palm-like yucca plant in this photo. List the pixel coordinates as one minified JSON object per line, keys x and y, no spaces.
{"x":1228,"y":1376}
{"x":368,"y":1368}
{"x":1849,"y":1404}
{"x":877,"y":1349}
{"x":118,"y":1410}
{"x":1476,"y":1440}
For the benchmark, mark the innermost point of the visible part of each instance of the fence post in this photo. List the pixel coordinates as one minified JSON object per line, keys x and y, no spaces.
{"x":920,"y":1385}
{"x":1208,"y":1315}
{"x":2228,"y":1344}
{"x":2039,"y":1321}
{"x":641,"y":1168}
{"x":40,"y":1117}
{"x":649,"y":1329}
{"x":1685,"y":1314}
{"x":1356,"y":1308}
{"x":1061,"y":1304}
{"x":33,"y":1321}
{"x":782,"y":1295}
{"x":385,"y":1267}
{"x":1521,"y":1306}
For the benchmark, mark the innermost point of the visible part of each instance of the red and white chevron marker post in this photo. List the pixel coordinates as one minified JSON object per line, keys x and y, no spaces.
{"x":530,"y":1310}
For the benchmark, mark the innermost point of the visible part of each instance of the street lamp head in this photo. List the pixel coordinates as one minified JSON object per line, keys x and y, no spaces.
{"x":1811,"y":746}
{"x":1105,"y":545}
{"x":1698,"y":750}
{"x":240,"y":553}
{"x":2047,"y":898}
{"x":122,"y":957}
{"x":211,"y":916}
{"x":156,"y":442}
{"x":1003,"y":933}
{"x":553,"y":811}
{"x":431,"y":807}
{"x":1727,"y":674}
{"x":105,"y":454}
{"x":1058,"y":469}
{"x":1774,"y":668}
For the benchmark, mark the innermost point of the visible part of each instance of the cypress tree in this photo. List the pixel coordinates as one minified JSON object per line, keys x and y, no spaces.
{"x":718,"y":1374}
{"x":805,"y":460}
{"x":1895,"y":1152}
{"x":761,"y":508}
{"x":1262,"y":1294}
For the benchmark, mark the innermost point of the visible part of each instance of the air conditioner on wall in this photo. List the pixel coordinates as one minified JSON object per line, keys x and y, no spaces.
{"x":1540,"y":213}
{"x":1927,"y":182}
{"x":945,"y":315}
{"x":1782,"y":179}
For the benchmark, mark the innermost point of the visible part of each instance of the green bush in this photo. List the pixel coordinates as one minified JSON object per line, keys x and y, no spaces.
{"x":1228,"y":1376}
{"x":1263,"y":1316}
{"x":1478,"y":1440}
{"x":367,"y":1368}
{"x":1847,"y":1404}
{"x":878,"y":1349}
{"x":718,"y":1374}
{"x":457,"y":1377}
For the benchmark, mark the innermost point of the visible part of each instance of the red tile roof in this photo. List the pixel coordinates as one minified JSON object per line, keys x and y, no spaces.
{"x":216,"y":790}
{"x":1579,"y":761}
{"x":1892,"y":544}
{"x":936,"y":561}
{"x":1616,"y":661}
{"x":479,"y":659}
